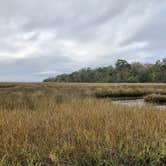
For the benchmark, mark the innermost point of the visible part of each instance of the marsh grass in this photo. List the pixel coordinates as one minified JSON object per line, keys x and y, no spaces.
{"x":136,"y":93}
{"x":128,"y":92}
{"x":155,"y":98}
{"x":64,"y":128}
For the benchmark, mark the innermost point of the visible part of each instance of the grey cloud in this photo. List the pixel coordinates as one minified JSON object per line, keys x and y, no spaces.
{"x":23,"y":69}
{"x":41,"y":36}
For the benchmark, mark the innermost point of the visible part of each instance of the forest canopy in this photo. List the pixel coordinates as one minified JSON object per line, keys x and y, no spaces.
{"x":122,"y":71}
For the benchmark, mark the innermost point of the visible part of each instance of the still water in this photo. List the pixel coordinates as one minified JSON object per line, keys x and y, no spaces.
{"x":139,"y":103}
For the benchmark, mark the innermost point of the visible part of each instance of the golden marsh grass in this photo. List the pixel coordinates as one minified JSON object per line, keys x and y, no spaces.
{"x":61,"y":124}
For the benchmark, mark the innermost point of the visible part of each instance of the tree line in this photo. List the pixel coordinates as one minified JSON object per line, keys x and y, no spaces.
{"x":122,"y":71}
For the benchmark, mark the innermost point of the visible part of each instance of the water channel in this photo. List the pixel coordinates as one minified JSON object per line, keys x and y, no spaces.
{"x":139,"y":103}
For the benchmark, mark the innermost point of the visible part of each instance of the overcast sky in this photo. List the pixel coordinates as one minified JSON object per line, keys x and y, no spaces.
{"x":43,"y":38}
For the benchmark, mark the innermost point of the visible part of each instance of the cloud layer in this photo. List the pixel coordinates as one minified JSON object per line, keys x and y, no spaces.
{"x":42,"y":38}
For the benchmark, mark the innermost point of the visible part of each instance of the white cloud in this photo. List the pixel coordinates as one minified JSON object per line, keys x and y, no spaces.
{"x":56,"y":36}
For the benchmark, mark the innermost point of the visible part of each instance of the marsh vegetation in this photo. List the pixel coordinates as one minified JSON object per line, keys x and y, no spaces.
{"x":65,"y":124}
{"x":156,"y":98}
